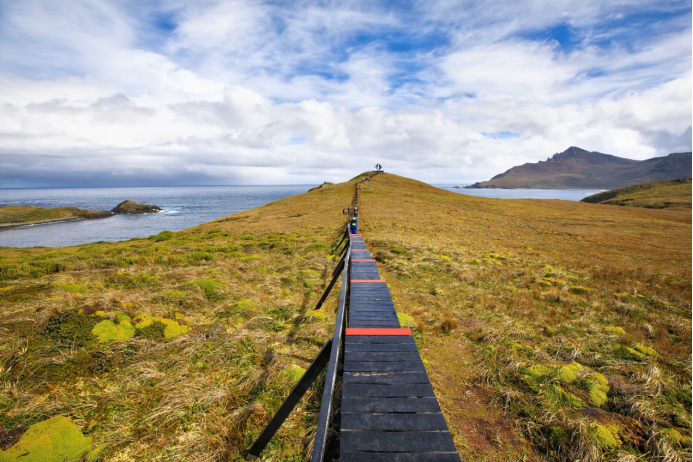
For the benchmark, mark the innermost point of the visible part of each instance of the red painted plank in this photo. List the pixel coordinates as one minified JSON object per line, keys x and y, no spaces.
{"x":368,"y":280}
{"x":372,"y":331}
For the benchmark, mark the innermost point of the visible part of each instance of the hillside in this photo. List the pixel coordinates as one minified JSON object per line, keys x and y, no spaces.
{"x":576,"y":168}
{"x":13,"y":215}
{"x":671,"y":194}
{"x":550,"y":329}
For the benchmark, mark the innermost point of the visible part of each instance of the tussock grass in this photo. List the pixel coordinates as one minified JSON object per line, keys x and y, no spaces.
{"x":238,"y":285}
{"x":551,"y":330}
{"x":571,"y":320}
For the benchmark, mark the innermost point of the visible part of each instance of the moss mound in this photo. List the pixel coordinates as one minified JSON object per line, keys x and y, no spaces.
{"x":405,"y":320}
{"x":294,"y":374}
{"x":597,"y":386}
{"x":245,"y":305}
{"x":73,"y":288}
{"x":108,"y":330}
{"x":606,"y":436}
{"x":210,"y":288}
{"x":568,"y":374}
{"x":54,"y":440}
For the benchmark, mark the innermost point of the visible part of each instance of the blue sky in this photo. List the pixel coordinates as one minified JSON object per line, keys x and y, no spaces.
{"x":252,"y":92}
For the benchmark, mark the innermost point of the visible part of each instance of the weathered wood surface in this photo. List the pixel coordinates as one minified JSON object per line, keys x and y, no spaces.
{"x":389,"y":411}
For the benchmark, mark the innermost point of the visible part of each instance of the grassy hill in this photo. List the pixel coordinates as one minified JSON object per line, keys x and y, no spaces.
{"x":669,"y":194}
{"x":577,"y":168}
{"x":550,"y":329}
{"x":13,"y":215}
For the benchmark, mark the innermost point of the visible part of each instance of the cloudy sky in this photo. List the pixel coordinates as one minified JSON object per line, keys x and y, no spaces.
{"x":132,"y":92}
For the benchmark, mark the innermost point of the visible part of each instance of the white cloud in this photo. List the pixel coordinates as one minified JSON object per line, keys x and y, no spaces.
{"x":245,"y":87}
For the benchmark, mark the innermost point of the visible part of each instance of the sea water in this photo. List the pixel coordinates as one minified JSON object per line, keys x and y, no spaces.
{"x":184,"y":207}
{"x":497,"y":193}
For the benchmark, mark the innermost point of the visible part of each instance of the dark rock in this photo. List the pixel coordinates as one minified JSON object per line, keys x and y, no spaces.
{"x":135,"y":208}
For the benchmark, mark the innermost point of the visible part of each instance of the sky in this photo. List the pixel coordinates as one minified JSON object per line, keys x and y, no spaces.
{"x":164,"y":93}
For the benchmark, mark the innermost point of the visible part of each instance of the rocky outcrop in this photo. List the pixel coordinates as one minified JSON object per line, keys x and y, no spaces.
{"x":135,"y":208}
{"x":326,"y":183}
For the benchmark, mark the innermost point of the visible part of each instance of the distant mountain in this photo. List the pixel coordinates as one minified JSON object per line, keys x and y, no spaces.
{"x":576,"y":168}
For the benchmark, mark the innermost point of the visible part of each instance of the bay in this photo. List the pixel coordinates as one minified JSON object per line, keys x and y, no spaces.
{"x":560,"y":194}
{"x":184,"y":207}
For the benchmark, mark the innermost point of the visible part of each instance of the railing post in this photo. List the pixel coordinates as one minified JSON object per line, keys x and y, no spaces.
{"x":290,"y":402}
{"x":331,"y":377}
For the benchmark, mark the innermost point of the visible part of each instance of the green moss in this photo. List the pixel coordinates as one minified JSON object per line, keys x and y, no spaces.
{"x":474,"y":261}
{"x":646,"y":350}
{"x":244,"y":305}
{"x":637,"y":353}
{"x":399,"y":250}
{"x":320,"y":314}
{"x":173,"y":329}
{"x":533,"y":376}
{"x":175,"y":294}
{"x":142,"y":321}
{"x":579,"y":290}
{"x":318,"y":246}
{"x":627,"y":352}
{"x":211,"y":288}
{"x":627,"y":295}
{"x":606,"y":436}
{"x":550,"y":331}
{"x":309,"y":283}
{"x":262,"y":270}
{"x":120,"y":317}
{"x":568,"y":373}
{"x":251,"y":257}
{"x":72,"y":288}
{"x":565,"y":398}
{"x":598,"y":387}
{"x":294,"y":374}
{"x":309,"y":273}
{"x":615,"y":330}
{"x":54,"y":440}
{"x":108,"y":330}
{"x":438,"y":292}
{"x":405,"y":320}
{"x":674,"y":436}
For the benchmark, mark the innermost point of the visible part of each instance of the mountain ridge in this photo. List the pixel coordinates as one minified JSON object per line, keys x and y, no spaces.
{"x":577,"y":168}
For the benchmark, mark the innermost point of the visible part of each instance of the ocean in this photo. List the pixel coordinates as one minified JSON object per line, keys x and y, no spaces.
{"x":184,"y":207}
{"x":561,"y":194}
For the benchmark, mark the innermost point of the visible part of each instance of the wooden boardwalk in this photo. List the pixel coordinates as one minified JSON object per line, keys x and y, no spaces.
{"x":389,"y":411}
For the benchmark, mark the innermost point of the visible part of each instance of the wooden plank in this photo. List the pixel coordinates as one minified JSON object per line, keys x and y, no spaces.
{"x":412,"y":441}
{"x":352,"y":404}
{"x":381,"y":356}
{"x":378,"y":339}
{"x":380,"y":347}
{"x":393,"y":422}
{"x":403,"y":366}
{"x":386,"y":377}
{"x":374,"y":390}
{"x":371,"y":332}
{"x":357,"y":456}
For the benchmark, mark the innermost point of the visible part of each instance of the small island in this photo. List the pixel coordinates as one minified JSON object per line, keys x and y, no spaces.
{"x":135,"y":208}
{"x":12,"y":216}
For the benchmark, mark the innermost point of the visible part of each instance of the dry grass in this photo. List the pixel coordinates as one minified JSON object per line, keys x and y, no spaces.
{"x":498,"y":287}
{"x":495,"y":287}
